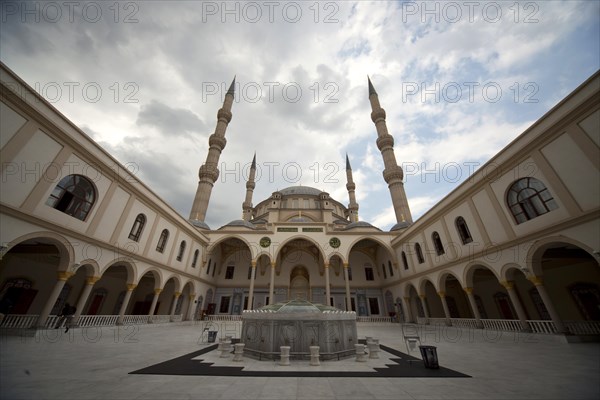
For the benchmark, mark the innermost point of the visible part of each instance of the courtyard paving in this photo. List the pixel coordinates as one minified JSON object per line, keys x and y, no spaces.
{"x":96,"y":363}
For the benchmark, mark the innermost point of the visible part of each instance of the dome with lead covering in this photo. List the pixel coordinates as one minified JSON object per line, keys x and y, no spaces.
{"x":240,"y":223}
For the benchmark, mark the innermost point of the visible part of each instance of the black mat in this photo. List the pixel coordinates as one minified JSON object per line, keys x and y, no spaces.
{"x":405,"y":366}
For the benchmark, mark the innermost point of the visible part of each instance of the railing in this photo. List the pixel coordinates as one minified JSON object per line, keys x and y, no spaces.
{"x":422,"y":320}
{"x":438,"y":321}
{"x":583,"y":327}
{"x":373,"y":318}
{"x":22,"y":321}
{"x":135,"y":319}
{"x":97,"y":320}
{"x":502,"y":324}
{"x":224,"y":317}
{"x":542,"y":326}
{"x":177,"y":318}
{"x":465,"y":323}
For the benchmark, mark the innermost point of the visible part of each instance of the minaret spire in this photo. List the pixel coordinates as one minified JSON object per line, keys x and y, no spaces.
{"x":353,"y":205}
{"x":209,"y":172}
{"x":250,"y":185}
{"x":392,"y":174}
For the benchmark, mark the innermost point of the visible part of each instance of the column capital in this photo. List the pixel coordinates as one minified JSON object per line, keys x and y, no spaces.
{"x":422,"y":296}
{"x":253,"y":263}
{"x":346,"y":265}
{"x":407,"y":299}
{"x":131,"y":286}
{"x":536,"y":280}
{"x":326,"y":265}
{"x":191,"y":296}
{"x":64,"y":275}
{"x":273,"y":264}
{"x":157,"y":291}
{"x":468,"y":290}
{"x":177,"y":294}
{"x":90,"y":280}
{"x":441,"y":293}
{"x":508,"y":285}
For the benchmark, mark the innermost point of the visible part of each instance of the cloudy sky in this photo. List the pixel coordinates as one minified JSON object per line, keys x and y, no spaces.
{"x":459,"y":81}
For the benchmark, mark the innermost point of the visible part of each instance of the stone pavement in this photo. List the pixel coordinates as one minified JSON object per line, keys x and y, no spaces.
{"x":95,"y":363}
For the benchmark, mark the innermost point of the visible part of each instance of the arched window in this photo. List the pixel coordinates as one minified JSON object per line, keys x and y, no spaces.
{"x":404,"y":260}
{"x":390,"y":268}
{"x":384,"y":273}
{"x":463,"y":230}
{"x":528,"y":198}
{"x":138,"y":226}
{"x":74,"y":195}
{"x":195,"y":259}
{"x":208,"y":268}
{"x":437,"y":243}
{"x":162,"y":241}
{"x":419,"y":253}
{"x":181,"y":250}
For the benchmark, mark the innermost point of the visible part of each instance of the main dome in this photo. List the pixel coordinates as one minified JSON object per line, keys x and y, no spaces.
{"x":300,"y":190}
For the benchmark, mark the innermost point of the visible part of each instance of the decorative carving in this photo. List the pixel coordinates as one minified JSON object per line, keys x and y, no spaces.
{"x":334,"y":242}
{"x":378,"y":114}
{"x":265,"y":242}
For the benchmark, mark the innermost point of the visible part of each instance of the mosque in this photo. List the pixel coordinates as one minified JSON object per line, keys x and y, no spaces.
{"x":515,"y":247}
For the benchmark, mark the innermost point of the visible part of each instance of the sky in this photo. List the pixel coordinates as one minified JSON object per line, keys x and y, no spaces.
{"x":458,"y":81}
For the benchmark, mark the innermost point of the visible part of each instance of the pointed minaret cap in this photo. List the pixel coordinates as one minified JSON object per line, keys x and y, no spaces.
{"x":348,"y":167}
{"x":253,"y":161}
{"x":371,"y":88}
{"x":231,"y":90}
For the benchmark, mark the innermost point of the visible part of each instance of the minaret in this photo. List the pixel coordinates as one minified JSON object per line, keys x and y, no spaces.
{"x":247,"y":204}
{"x":392,"y":173}
{"x":209,"y":171}
{"x":353,"y":205}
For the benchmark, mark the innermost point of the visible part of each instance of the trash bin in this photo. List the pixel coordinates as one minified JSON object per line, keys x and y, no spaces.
{"x":212,"y":336}
{"x":429,"y":355}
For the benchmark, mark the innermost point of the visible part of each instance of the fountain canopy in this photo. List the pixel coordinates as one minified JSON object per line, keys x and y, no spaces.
{"x":299,"y":324}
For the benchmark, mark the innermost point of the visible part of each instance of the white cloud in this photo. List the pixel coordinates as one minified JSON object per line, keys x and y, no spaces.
{"x":174,"y":53}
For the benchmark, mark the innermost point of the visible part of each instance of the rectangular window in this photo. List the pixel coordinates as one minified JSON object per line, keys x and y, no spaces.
{"x":229,"y":272}
{"x":224,"y":307}
{"x":369,"y":274}
{"x":306,"y":203}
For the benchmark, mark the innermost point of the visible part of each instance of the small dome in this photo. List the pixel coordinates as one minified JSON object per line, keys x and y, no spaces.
{"x":240,"y":223}
{"x":400,"y":225}
{"x":199,"y":224}
{"x":341,"y":221}
{"x":360,"y":224}
{"x":259,"y":221}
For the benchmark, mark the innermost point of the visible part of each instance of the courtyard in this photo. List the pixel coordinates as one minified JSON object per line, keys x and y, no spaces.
{"x":105,"y":363}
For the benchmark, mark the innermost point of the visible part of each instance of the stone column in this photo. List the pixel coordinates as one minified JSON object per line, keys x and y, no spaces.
{"x":346,"y":278}
{"x":90,"y":281}
{"x":251,"y":290}
{"x":174,"y":305}
{"x":407,"y":311}
{"x":424,"y":305}
{"x":537,"y":281}
{"x":510,"y":288}
{"x":473,"y":303}
{"x":190,"y":309}
{"x":272,"y":284}
{"x":130,"y":288}
{"x":442,"y":295}
{"x":63,"y":276}
{"x":327,"y":290}
{"x":154,"y":301}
